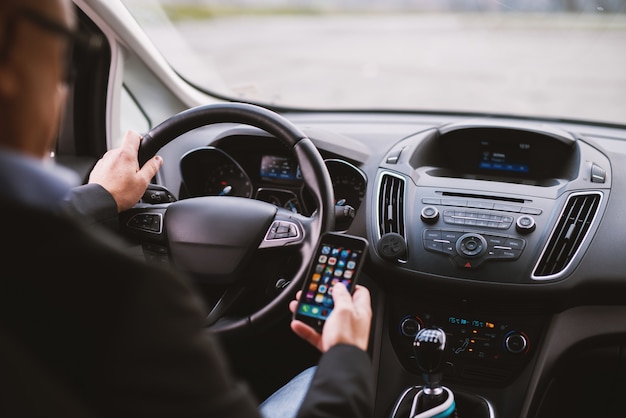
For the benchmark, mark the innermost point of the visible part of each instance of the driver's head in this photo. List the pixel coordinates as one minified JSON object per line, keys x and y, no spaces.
{"x":34,"y":42}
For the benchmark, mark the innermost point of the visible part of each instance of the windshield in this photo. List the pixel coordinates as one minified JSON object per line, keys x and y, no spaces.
{"x":546,"y":58}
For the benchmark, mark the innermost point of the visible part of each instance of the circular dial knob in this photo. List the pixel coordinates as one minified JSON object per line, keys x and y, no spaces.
{"x":409,"y":327}
{"x":471,"y":245}
{"x":429,"y":214}
{"x":525,"y":224}
{"x":516,"y":343}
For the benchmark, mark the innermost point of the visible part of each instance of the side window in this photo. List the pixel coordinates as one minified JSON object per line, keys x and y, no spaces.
{"x":132,"y":116}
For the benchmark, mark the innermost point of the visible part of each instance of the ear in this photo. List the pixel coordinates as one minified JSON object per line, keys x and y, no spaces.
{"x":8,"y":80}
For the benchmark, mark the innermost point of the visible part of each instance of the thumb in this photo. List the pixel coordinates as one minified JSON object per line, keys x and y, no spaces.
{"x":151,"y":167}
{"x":341,"y":296}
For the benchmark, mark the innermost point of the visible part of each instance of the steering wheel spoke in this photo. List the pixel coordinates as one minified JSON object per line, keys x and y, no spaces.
{"x":226,"y":301}
{"x":287,"y":229}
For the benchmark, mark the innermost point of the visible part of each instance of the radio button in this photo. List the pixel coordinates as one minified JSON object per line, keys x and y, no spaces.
{"x":531,"y":211}
{"x":471,"y":245}
{"x":431,"y":234}
{"x":433,"y":246}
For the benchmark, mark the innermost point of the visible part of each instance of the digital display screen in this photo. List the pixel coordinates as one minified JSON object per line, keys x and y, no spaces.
{"x":512,"y":157}
{"x":334,"y":264}
{"x":279,"y":168}
{"x":475,"y":323}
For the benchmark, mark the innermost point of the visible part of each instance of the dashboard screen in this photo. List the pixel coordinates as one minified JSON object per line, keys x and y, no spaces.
{"x":512,"y":157}
{"x":506,"y":154}
{"x":279,"y":168}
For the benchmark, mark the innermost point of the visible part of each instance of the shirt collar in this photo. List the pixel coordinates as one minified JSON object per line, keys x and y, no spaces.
{"x":34,"y":182}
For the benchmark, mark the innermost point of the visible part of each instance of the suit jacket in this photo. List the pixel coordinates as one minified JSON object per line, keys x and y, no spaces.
{"x":126,"y":339}
{"x":93,"y":202}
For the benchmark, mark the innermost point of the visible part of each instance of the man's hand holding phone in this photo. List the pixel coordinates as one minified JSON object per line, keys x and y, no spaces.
{"x":348,"y":323}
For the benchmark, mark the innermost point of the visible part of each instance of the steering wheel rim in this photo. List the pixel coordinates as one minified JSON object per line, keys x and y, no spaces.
{"x":314,"y":173}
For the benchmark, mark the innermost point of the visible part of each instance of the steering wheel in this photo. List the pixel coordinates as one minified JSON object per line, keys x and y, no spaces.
{"x":214,"y":238}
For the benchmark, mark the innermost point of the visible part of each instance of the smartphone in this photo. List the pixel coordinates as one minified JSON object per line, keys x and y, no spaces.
{"x":337,"y":258}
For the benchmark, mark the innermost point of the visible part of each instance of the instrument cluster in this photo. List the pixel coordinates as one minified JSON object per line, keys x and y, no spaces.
{"x":272,"y":176}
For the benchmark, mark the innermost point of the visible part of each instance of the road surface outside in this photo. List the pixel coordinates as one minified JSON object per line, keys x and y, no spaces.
{"x":548,"y":65}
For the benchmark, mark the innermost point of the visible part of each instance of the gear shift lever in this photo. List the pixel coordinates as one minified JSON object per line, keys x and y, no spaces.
{"x":433,"y":400}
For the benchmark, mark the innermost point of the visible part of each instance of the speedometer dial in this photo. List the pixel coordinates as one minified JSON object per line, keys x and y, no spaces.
{"x":228,"y":179}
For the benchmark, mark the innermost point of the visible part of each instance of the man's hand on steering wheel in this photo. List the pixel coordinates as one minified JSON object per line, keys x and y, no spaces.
{"x":119,"y":173}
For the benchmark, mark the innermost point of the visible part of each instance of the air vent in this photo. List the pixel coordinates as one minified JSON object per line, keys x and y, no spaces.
{"x":568,"y":236}
{"x":391,"y":205}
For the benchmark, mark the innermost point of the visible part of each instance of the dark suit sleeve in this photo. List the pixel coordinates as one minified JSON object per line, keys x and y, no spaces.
{"x":125,"y":338}
{"x":342,"y":386}
{"x":164,"y":363}
{"x":92,"y":202}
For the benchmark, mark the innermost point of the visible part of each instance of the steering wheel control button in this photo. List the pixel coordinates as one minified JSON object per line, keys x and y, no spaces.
{"x":147,"y":222}
{"x":429,"y":214}
{"x":282,"y":230}
{"x":515,"y":343}
{"x":154,"y":253}
{"x":525,"y":224}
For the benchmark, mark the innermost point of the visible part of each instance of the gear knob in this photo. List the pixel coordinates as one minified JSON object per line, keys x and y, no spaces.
{"x":429,"y":346}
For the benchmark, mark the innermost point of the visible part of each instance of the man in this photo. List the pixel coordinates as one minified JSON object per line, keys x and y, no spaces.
{"x":115,"y":337}
{"x":32,"y":103}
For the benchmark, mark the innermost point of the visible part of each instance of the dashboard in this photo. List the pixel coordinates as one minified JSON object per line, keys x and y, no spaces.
{"x":502,"y":232}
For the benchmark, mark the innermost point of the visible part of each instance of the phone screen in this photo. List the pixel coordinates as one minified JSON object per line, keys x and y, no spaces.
{"x":338,"y":258}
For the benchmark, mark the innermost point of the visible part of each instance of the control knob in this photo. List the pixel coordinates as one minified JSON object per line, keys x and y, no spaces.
{"x":429,"y":214}
{"x":409,"y":327}
{"x":471,"y":245}
{"x":515,"y":342}
{"x":525,"y":224}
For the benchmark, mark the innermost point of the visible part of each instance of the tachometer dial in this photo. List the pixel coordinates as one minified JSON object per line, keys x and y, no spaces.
{"x":228,"y":180}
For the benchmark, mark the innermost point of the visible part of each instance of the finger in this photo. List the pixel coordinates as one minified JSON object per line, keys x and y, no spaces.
{"x":362,"y":301}
{"x":131,"y":142}
{"x":341,"y":296}
{"x":361,"y":296}
{"x":293,"y":305}
{"x":305,"y":332}
{"x":150,"y":168}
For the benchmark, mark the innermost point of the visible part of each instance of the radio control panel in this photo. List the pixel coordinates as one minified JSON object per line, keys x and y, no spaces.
{"x":469,"y":249}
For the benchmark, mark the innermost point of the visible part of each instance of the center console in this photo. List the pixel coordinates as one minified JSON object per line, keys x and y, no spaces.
{"x":498,"y":203}
{"x":471,"y":221}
